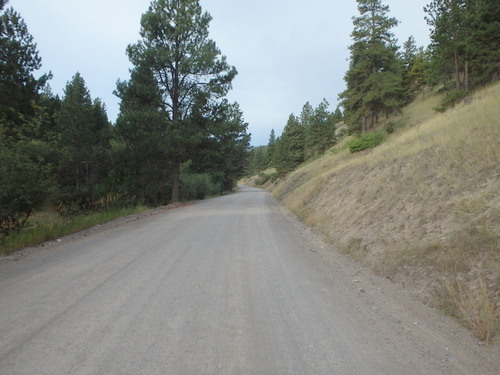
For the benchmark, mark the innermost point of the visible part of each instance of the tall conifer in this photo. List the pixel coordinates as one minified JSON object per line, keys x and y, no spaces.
{"x":374,"y":76}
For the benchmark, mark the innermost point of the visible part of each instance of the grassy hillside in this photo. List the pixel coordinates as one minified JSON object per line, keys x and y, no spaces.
{"x":422,"y":209}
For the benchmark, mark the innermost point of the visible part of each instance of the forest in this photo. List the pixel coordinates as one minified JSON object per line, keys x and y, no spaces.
{"x":178,"y":138}
{"x":464,"y":55}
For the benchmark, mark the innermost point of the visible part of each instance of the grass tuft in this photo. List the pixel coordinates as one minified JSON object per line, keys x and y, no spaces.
{"x":476,"y":308}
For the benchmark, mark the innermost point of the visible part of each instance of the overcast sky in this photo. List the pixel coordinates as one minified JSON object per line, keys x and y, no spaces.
{"x":287,"y":52}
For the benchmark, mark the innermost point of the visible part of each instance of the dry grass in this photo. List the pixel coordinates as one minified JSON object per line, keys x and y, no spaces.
{"x":476,"y":308}
{"x":422,"y":207}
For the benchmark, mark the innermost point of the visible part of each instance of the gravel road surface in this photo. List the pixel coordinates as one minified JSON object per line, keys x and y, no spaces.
{"x":231,"y":285}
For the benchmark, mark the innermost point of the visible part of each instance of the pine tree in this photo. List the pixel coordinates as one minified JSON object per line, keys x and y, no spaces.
{"x":141,"y":166}
{"x":186,"y":65}
{"x":271,"y":147}
{"x":374,"y":77}
{"x":306,"y":120}
{"x":25,"y":167}
{"x":484,"y":41}
{"x":448,"y":20}
{"x":229,"y":137}
{"x":84,"y":140}
{"x":19,"y":59}
{"x":324,"y":127}
{"x":409,"y":58}
{"x":465,"y":44}
{"x":290,"y":146}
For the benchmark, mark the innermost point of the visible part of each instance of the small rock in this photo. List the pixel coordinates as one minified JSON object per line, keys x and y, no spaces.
{"x":59,"y":240}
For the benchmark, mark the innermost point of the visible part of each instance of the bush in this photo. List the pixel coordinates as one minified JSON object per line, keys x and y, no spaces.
{"x":262,"y":179}
{"x":25,"y":183}
{"x":366,"y":141}
{"x":451,"y":99}
{"x":197,"y":186}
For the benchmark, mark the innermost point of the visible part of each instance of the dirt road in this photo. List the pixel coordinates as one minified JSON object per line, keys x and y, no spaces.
{"x":226,"y":286}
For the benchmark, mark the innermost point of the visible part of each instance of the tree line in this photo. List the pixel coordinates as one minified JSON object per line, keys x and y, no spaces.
{"x":464,"y":54}
{"x":176,"y":136}
{"x":303,"y":137}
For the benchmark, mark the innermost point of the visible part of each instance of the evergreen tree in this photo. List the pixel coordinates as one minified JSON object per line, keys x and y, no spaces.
{"x":409,"y":58}
{"x":25,"y":168}
{"x":141,"y":162}
{"x":465,"y":44}
{"x":223,"y":151}
{"x":186,"y":65}
{"x":258,"y":158}
{"x":374,"y":77}
{"x":271,"y":147}
{"x":484,"y":41}
{"x":323,"y":130}
{"x":19,"y":59}
{"x":290,"y":146}
{"x":306,"y":120}
{"x":448,"y":22}
{"x":233,"y":142}
{"x":84,"y":141}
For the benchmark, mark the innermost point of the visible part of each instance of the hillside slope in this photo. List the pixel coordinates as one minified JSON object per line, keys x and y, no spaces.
{"x":422,"y":209}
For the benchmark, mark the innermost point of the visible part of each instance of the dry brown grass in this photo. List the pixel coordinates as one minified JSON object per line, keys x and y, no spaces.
{"x":476,"y":308}
{"x":423,"y":208}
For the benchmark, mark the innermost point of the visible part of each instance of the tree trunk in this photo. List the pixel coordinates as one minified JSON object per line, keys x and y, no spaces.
{"x":176,"y":174}
{"x":457,"y":71}
{"x":466,"y":75}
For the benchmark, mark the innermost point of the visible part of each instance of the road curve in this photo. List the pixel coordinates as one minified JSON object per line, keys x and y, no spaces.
{"x":223,"y":286}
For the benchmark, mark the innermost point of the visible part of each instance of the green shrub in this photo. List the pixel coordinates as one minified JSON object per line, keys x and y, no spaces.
{"x":451,"y":99}
{"x":25,"y":182}
{"x":366,"y":141}
{"x":262,"y":179}
{"x":197,"y":186}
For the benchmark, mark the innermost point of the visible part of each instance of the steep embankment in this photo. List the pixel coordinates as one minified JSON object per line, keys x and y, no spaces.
{"x":422,"y":209}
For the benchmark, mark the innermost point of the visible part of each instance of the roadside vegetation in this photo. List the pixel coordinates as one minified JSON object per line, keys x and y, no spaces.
{"x":48,"y":225}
